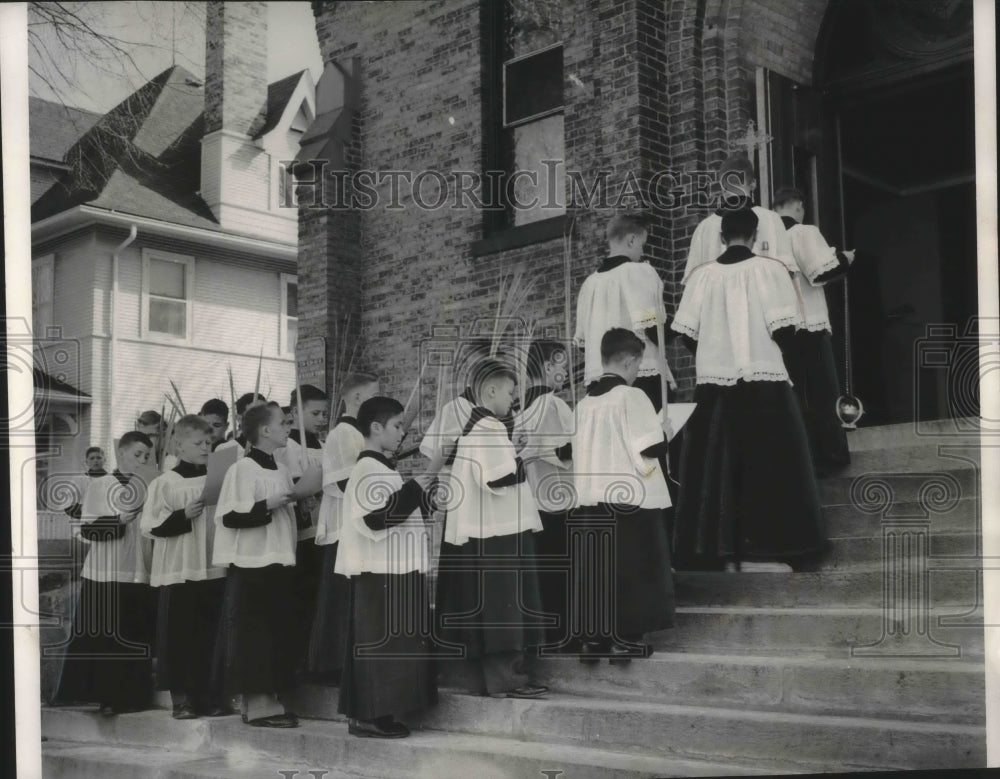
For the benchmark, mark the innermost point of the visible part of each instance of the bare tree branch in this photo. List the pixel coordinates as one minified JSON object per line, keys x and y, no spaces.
{"x":69,"y":38}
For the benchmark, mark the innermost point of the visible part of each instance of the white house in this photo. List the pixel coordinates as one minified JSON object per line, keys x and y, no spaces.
{"x":163,"y":249}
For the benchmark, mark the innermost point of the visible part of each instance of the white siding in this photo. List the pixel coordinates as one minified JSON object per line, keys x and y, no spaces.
{"x":238,"y":183}
{"x":144,"y":372}
{"x":236,"y":309}
{"x":235,"y":313}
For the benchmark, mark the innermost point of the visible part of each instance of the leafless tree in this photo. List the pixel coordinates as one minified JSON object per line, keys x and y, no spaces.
{"x":67,"y":39}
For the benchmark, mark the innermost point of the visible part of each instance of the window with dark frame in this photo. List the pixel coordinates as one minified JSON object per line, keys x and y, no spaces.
{"x":289,"y":313}
{"x":523,"y":116}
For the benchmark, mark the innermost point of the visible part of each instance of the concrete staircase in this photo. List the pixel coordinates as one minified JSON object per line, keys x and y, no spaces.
{"x":857,"y":666}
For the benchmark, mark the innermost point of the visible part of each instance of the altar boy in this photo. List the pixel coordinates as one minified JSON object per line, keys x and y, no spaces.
{"x":810,"y":362}
{"x":191,"y":588}
{"x":384,"y":549}
{"x":108,"y":658}
{"x":620,"y":483}
{"x":546,"y":423}
{"x":304,"y":451}
{"x":625,"y":291}
{"x":255,"y":538}
{"x":341,"y":449}
{"x":748,"y":492}
{"x":737,"y":179}
{"x":494,"y":614}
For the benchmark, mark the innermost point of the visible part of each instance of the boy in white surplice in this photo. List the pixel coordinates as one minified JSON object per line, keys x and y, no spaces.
{"x":747,"y":486}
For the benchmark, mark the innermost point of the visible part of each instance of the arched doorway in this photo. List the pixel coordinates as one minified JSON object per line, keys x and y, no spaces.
{"x":885,"y":144}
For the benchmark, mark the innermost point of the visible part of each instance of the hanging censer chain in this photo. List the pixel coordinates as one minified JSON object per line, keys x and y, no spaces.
{"x":848,"y":368}
{"x":849,"y":408}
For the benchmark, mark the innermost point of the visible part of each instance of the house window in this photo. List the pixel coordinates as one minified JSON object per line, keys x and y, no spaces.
{"x":42,"y":293}
{"x":286,"y":188}
{"x":289,"y":313}
{"x":533,"y":125}
{"x":525,"y":134}
{"x":167,"y":285}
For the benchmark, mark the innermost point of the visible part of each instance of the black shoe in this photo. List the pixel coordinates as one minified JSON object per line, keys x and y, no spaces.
{"x":184,"y":711}
{"x":591,"y":652}
{"x":286,"y":720}
{"x":571,"y":647}
{"x":622,"y":654}
{"x":217,"y":710}
{"x":528,"y":691}
{"x":384,"y":727}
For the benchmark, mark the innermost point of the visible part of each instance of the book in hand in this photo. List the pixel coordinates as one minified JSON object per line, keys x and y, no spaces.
{"x":678,"y":414}
{"x":218,"y":463}
{"x":310,"y":483}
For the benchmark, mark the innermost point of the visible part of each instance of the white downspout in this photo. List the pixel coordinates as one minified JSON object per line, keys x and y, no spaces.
{"x":110,"y":437}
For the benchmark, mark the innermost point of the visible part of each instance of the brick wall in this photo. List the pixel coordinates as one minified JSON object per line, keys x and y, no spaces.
{"x":235,"y":66}
{"x":713,"y":49}
{"x":421,"y":68}
{"x":781,"y":35}
{"x":649,"y":85}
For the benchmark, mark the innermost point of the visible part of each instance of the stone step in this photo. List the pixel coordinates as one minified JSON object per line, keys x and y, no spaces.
{"x":861,"y":553}
{"x":744,"y":733}
{"x":769,"y":630}
{"x":922,"y":690}
{"x":930,"y":456}
{"x":961,"y":429}
{"x":318,"y":745}
{"x":74,"y":760}
{"x":936,"y":487}
{"x":822,"y":588}
{"x":848,"y":521}
{"x":915,"y":690}
{"x":688,"y":732}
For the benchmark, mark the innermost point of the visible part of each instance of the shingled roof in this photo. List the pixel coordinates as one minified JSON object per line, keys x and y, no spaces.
{"x":53,"y":128}
{"x":144,"y":156}
{"x":45,"y":382}
{"x":278,"y":95}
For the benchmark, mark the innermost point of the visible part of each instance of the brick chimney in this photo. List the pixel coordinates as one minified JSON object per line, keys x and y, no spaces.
{"x":235,"y":110}
{"x":235,"y":67}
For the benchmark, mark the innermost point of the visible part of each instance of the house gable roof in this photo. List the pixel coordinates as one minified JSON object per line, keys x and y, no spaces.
{"x":53,"y":128}
{"x":47,"y":383}
{"x":143,"y":157}
{"x":278,"y":95}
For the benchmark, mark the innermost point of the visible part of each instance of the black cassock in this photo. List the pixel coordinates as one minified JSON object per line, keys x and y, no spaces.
{"x":388,"y":666}
{"x":748,"y":490}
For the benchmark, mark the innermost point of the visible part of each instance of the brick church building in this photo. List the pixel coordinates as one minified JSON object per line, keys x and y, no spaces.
{"x":423,"y":108}
{"x":459,"y":145}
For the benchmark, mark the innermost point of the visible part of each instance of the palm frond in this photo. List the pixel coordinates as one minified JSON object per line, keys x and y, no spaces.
{"x":568,"y":302}
{"x":160,"y":439}
{"x":512,"y":297}
{"x":232,"y":400}
{"x":303,"y":455}
{"x":175,"y":409}
{"x":342,"y":363}
{"x":177,"y":393}
{"x":410,"y":409}
{"x":167,"y":437}
{"x":260,"y":365}
{"x":521,"y":358}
